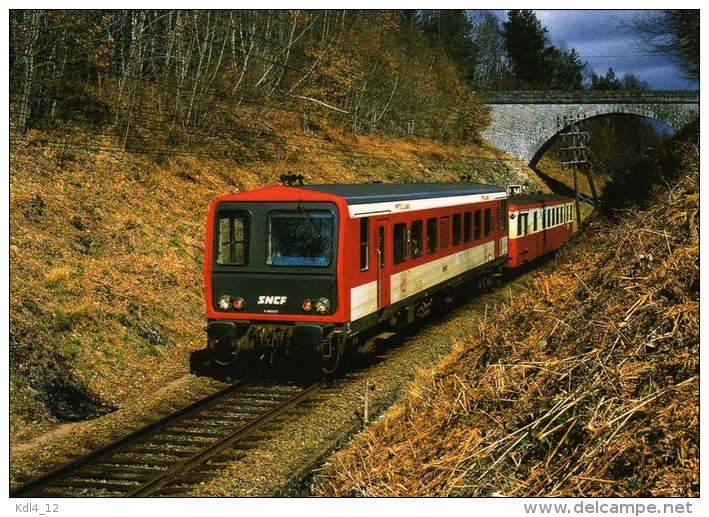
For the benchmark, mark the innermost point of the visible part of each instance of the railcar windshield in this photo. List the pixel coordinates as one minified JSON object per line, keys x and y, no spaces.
{"x":300,"y":238}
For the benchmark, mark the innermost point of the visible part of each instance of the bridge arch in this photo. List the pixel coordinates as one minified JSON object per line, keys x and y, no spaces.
{"x":546,"y":140}
{"x":524,"y":123}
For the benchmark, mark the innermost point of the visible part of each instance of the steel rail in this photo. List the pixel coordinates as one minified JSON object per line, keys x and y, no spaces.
{"x":154,"y":484}
{"x":97,"y":454}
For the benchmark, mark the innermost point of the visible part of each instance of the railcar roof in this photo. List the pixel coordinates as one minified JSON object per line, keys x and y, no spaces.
{"x":535,"y":199}
{"x":355,"y":194}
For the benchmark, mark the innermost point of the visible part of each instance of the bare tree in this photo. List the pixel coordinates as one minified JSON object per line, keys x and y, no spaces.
{"x":674,"y":32}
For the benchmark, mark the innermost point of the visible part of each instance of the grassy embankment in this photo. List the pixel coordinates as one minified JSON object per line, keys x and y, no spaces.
{"x":106,"y":255}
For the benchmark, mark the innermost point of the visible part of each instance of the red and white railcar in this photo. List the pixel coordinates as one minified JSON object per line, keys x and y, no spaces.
{"x":304,"y":273}
{"x":539,"y":224}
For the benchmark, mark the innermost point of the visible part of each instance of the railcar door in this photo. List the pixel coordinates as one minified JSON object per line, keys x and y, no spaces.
{"x":383,"y":264}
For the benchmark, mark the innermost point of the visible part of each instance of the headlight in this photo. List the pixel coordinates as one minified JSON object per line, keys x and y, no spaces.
{"x":225,"y":302}
{"x":322,"y":306}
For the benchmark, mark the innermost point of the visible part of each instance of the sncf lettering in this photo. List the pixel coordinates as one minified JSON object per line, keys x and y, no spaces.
{"x":272,"y":300}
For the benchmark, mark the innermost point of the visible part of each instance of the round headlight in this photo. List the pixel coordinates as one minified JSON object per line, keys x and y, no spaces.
{"x":225,"y":302}
{"x":322,"y":306}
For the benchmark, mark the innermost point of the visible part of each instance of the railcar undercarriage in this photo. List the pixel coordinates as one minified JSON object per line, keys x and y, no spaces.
{"x":303,"y":351}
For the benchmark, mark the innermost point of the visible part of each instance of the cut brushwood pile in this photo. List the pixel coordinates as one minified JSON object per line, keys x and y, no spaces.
{"x":585,"y":385}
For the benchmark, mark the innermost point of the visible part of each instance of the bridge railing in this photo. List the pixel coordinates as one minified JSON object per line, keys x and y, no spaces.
{"x":591,"y":97}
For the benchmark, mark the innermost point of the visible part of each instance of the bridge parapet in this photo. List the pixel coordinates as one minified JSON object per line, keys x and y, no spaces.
{"x":592,"y":97}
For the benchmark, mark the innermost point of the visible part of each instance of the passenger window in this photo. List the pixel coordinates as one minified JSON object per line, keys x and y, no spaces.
{"x":522,"y":224}
{"x":534,"y":222}
{"x":457,"y":234}
{"x":467,"y":226}
{"x":364,"y":244}
{"x":478,"y":225}
{"x":445,"y":240}
{"x":416,"y":239}
{"x":400,"y":251}
{"x":431,"y":235}
{"x":488,"y":221}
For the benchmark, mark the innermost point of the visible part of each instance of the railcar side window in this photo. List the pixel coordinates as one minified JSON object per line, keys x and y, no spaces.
{"x":522,"y":223}
{"x":233,"y":237}
{"x":457,"y":235}
{"x":488,"y":221}
{"x":478,"y":224}
{"x":300,"y":238}
{"x":445,"y":239}
{"x":467,"y":226}
{"x":431,"y":235}
{"x":381,"y":247}
{"x":400,"y":251}
{"x":534,"y":222}
{"x":364,"y":244}
{"x":416,"y":239}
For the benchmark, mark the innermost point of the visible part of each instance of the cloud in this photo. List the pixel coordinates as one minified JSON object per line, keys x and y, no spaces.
{"x":604,"y":40}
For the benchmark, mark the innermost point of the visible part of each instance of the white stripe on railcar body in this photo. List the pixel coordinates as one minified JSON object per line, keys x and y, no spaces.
{"x":392,"y":207}
{"x":567,"y":218}
{"x":363,"y":300}
{"x":420,"y":278}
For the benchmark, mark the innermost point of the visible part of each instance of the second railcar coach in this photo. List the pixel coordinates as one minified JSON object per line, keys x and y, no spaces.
{"x":539,"y":224}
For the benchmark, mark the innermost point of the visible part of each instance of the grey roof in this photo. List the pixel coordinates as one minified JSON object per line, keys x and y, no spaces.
{"x":356,"y":194}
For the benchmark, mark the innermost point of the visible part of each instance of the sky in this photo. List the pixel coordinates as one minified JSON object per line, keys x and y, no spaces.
{"x":602,"y":41}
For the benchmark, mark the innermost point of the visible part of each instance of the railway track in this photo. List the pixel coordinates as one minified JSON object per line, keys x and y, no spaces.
{"x":168,"y":456}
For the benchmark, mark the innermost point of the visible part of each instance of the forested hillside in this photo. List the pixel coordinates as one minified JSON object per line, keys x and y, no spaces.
{"x":221,"y":83}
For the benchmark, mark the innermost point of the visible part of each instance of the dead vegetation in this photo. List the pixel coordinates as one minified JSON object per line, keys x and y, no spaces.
{"x":586,"y":385}
{"x":106,"y":256}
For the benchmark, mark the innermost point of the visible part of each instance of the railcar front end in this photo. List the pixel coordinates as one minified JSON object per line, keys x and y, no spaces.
{"x":270,"y":276}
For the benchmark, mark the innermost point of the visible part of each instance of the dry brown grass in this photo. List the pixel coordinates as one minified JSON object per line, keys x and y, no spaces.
{"x":106,"y":256}
{"x":586,"y":385}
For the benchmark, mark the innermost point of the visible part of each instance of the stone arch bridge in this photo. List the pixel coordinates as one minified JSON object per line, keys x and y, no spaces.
{"x":524,"y":123}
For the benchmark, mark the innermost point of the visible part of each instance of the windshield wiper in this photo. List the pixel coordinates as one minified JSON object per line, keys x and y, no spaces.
{"x":317,"y":232}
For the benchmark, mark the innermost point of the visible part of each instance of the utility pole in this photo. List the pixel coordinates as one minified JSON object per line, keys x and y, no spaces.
{"x":574,"y":153}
